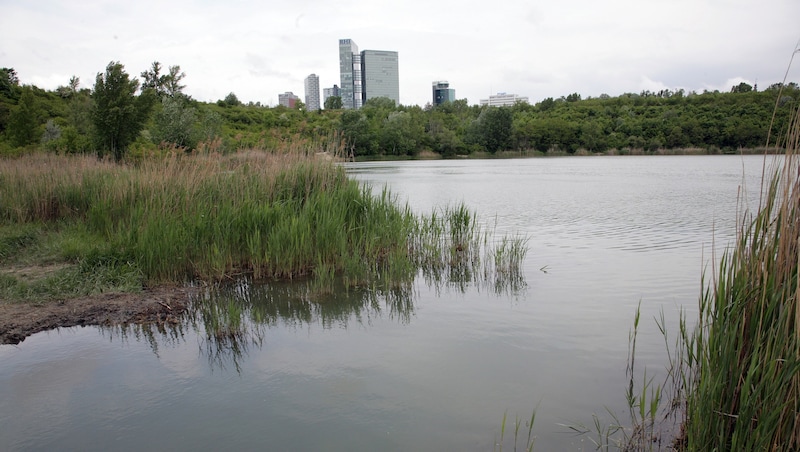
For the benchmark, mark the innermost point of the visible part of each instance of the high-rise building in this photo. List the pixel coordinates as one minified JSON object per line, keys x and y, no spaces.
{"x":347,"y":68}
{"x":503,"y":100}
{"x":381,"y":75}
{"x":329,"y":92}
{"x":442,"y":92}
{"x":368,"y":74}
{"x":288,"y":99}
{"x":312,"y":92}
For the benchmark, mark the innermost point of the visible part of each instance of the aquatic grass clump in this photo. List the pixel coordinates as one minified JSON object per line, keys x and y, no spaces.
{"x":741,"y":363}
{"x":453,"y":249}
{"x":530,"y":439}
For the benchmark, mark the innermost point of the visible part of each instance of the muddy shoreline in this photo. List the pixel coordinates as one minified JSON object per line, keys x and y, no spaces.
{"x":156,"y":305}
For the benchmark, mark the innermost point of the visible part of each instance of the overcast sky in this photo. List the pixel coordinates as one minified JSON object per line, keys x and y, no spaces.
{"x":534,"y":48}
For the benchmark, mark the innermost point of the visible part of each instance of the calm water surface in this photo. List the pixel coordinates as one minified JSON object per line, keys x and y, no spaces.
{"x":429,"y":370}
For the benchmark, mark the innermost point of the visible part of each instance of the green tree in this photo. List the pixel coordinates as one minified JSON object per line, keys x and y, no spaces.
{"x":77,"y":135}
{"x":119,"y":114}
{"x":354,"y":125}
{"x":494,"y":128}
{"x":333,"y":103}
{"x":380,"y":103}
{"x":209,"y":128}
{"x":741,"y":88}
{"x":152,"y":78}
{"x":174,"y":122}
{"x":172,"y":83}
{"x":23,"y":122}
{"x":400,"y":134}
{"x":547,"y":104}
{"x":9,"y":92}
{"x":592,"y":137}
{"x":9,"y":82}
{"x":164,"y":85}
{"x":230,"y":101}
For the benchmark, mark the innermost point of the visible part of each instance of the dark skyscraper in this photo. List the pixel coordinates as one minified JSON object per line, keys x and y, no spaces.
{"x":443,"y":93}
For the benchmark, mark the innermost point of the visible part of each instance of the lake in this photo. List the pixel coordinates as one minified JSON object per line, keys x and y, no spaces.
{"x":427,"y":368}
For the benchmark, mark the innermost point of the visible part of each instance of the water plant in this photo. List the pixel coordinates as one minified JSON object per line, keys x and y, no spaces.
{"x":739,"y":367}
{"x":530,"y":440}
{"x":742,"y":367}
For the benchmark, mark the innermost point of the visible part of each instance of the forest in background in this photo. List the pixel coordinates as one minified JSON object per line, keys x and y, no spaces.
{"x":130,"y":117}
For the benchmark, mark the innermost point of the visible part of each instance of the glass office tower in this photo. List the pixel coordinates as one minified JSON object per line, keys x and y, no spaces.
{"x":347,"y":50}
{"x":442,"y":92}
{"x":371,"y":73}
{"x":381,"y":75}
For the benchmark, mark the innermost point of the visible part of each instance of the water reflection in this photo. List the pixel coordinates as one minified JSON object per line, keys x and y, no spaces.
{"x":156,"y":334}
{"x":235,"y":317}
{"x":232,"y":319}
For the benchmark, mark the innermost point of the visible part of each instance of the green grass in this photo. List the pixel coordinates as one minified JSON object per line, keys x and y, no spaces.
{"x":43,"y":262}
{"x":282,"y":214}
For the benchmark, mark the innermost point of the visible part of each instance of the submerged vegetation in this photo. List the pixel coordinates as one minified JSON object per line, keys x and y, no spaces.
{"x":283,"y":214}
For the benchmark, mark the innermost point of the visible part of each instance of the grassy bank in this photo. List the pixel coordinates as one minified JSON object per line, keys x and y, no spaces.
{"x":280,"y":214}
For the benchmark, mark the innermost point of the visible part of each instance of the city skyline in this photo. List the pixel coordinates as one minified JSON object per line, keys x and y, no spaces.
{"x":540,"y":50}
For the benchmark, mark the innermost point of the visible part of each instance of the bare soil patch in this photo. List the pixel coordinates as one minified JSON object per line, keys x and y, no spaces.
{"x":157,"y":305}
{"x":32,"y":272}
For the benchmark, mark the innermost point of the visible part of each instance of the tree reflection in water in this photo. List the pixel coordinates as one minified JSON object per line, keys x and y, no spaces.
{"x":231,"y":318}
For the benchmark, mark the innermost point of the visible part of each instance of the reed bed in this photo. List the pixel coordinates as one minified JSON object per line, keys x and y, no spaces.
{"x":278,"y":214}
{"x":740,"y":366}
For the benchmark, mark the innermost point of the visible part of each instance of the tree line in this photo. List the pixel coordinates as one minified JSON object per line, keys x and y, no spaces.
{"x":123,"y":116}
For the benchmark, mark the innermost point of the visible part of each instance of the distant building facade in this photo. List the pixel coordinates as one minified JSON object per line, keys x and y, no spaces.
{"x":312,"y":92}
{"x":442,"y":92}
{"x":503,"y":100}
{"x":329,"y":92}
{"x":349,"y":67}
{"x":288,"y":99}
{"x":367,"y":74}
{"x":381,"y":75}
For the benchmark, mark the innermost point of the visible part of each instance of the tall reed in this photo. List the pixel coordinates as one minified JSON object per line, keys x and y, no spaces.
{"x":741,"y":363}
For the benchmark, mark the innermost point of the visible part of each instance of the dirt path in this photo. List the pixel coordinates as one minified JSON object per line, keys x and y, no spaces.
{"x":161,"y":304}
